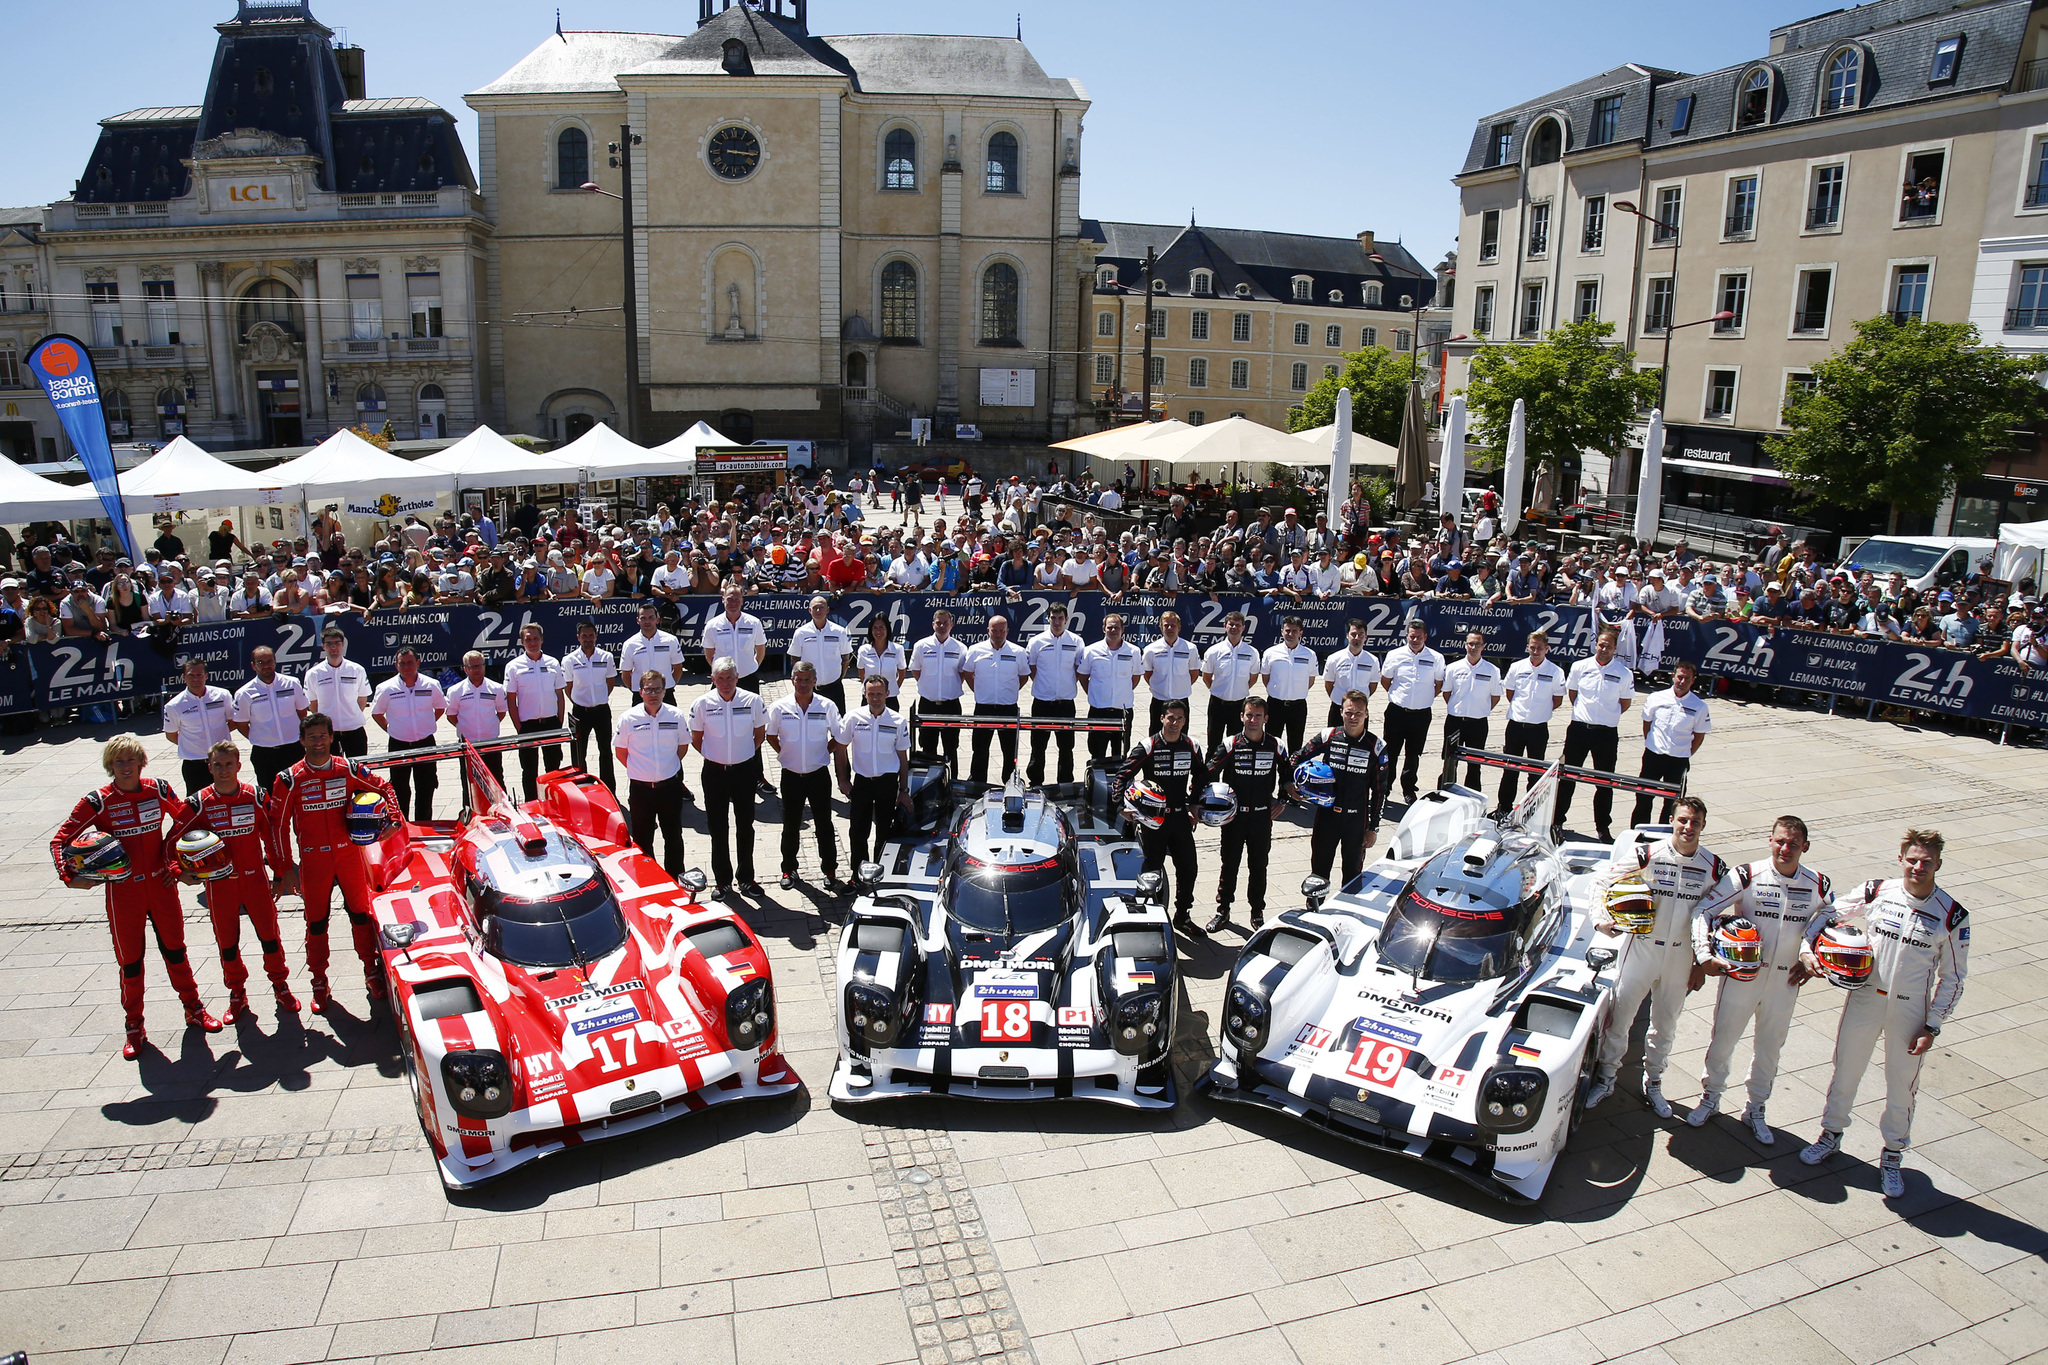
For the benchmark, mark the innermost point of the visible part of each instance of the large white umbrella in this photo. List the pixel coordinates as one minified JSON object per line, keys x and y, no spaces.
{"x":182,"y":477}
{"x":607,"y":455}
{"x":1517,"y":466}
{"x":1234,"y":440}
{"x":26,"y":497}
{"x":1365,"y":451}
{"x":1118,"y":442}
{"x":1340,"y":461}
{"x":1450,"y":475}
{"x":484,"y":459}
{"x":346,"y":467}
{"x":1650,"y":491}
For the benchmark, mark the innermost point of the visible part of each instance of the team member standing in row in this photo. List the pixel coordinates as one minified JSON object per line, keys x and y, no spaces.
{"x":824,"y":644}
{"x":1252,"y":763}
{"x":408,"y":708}
{"x":1171,"y":667}
{"x":874,"y":768}
{"x":1362,"y":770}
{"x":1533,"y":687}
{"x":267,"y":712}
{"x":652,"y":739}
{"x":727,"y":725}
{"x":1600,"y":689}
{"x":1353,"y":668}
{"x":881,"y":657}
{"x":737,"y":634}
{"x":1111,"y":667}
{"x":1290,"y":670}
{"x":196,"y":720}
{"x":654,"y":648}
{"x":937,"y":662}
{"x":339,"y":688}
{"x":1229,"y":669}
{"x":804,"y":730}
{"x":476,"y":708}
{"x":1675,"y":725}
{"x":1472,"y":688}
{"x":1170,"y":762}
{"x":235,"y":812}
{"x":1055,"y":659}
{"x":591,"y":672}
{"x":536,"y":698}
{"x":996,"y":671}
{"x":1414,"y":678}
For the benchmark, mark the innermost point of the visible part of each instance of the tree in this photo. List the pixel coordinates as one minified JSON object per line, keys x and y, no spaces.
{"x":1902,"y":414}
{"x":1378,"y":380}
{"x":1578,"y":393}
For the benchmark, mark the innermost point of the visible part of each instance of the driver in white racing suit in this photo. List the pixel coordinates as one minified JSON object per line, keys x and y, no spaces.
{"x":1920,"y":941}
{"x":1780,"y":898}
{"x":1658,"y":964}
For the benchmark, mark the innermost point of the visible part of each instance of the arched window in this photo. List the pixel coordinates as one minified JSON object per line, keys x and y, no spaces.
{"x":1002,"y":164}
{"x":370,"y":398}
{"x":856,"y":371}
{"x":572,"y":159}
{"x":431,"y":393}
{"x":1199,"y":282}
{"x":170,"y":412}
{"x":1753,"y":106}
{"x":899,"y":301}
{"x":1546,"y":144}
{"x":1845,"y":76}
{"x":1372,"y":295}
{"x":999,"y":305}
{"x":114,"y":404}
{"x":270,"y":301}
{"x":1304,"y":288}
{"x":1106,"y":277}
{"x":899,"y":160}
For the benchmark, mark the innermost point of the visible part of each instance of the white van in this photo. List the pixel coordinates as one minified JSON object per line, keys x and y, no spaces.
{"x":1928,"y":562}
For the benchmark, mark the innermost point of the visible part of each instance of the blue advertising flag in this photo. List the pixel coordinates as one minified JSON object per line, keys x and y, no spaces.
{"x":63,"y":366}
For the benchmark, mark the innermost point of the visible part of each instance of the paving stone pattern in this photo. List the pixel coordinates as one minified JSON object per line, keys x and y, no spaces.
{"x":262,"y":1195}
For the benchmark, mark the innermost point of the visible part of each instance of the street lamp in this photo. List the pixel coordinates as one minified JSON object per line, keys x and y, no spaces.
{"x":622,"y":157}
{"x":1664,"y":371}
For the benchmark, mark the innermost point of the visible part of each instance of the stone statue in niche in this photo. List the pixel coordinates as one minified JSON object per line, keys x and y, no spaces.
{"x":735,"y":330}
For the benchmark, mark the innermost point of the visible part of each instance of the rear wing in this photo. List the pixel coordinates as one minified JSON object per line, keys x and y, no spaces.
{"x":481,"y":785}
{"x":1536,"y":808}
{"x":1102,"y":725}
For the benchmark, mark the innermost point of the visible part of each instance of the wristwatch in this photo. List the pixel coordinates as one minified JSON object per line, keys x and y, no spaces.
{"x":1933,"y":1030}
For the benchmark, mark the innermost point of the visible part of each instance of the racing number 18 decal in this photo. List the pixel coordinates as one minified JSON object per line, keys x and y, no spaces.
{"x":1006,"y":1021}
{"x":1378,"y":1061}
{"x":624,"y":1037}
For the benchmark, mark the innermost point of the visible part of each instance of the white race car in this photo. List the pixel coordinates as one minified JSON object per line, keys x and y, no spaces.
{"x":1448,"y":1005}
{"x":1015,"y":953}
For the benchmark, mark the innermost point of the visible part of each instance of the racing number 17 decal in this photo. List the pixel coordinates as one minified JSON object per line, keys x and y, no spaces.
{"x":1006,"y":1021}
{"x":624,"y":1037}
{"x":1377,"y":1061}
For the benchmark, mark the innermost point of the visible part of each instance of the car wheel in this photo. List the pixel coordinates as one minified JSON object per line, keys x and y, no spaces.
{"x":1589,"y":1061}
{"x":410,"y":1061}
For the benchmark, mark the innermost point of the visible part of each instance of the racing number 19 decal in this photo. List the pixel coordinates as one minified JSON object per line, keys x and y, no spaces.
{"x":1378,"y":1061}
{"x":1006,"y":1021}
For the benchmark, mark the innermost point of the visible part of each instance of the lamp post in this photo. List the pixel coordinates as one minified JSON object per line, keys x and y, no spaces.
{"x":1664,"y":370}
{"x":622,"y":158}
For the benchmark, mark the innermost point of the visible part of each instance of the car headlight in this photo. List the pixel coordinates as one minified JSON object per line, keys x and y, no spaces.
{"x":1138,"y":1022}
{"x":750,"y":1014}
{"x":1511,"y":1098}
{"x":871,"y":1014}
{"x":478,"y":1083}
{"x":1247,"y":1018}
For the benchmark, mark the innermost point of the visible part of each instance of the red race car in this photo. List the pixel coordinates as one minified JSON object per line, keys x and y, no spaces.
{"x":551,"y":984}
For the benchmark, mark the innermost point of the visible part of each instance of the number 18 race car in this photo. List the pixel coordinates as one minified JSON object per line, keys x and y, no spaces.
{"x":1009,"y":951}
{"x":1448,"y":1005}
{"x":551,"y":984}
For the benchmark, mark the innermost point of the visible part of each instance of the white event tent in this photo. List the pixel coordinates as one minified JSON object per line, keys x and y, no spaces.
{"x":2022,"y":547}
{"x":182,"y":477}
{"x":684,"y":447}
{"x":26,"y":497}
{"x":345,"y":466}
{"x":603,"y":453}
{"x":484,"y":459}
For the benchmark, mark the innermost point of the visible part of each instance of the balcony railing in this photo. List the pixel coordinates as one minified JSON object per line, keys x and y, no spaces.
{"x":1489,"y":251}
{"x":1740,"y":225}
{"x":1905,"y":315}
{"x":2026,"y":317}
{"x":2033,"y":76}
{"x":1823,"y":216}
{"x":393,"y":348}
{"x":144,"y":356}
{"x":2037,"y":196}
{"x":1810,"y":320}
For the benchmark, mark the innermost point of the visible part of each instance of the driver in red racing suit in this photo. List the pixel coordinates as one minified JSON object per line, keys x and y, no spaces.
{"x":311,"y":798}
{"x":133,"y":810}
{"x":233,"y":810}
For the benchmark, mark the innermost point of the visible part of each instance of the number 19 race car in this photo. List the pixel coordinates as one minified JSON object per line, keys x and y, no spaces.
{"x":551,"y":984}
{"x":1011,"y":951}
{"x":1448,"y":1005}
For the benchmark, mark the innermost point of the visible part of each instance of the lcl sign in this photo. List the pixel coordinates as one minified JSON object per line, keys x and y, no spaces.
{"x":250,"y":194}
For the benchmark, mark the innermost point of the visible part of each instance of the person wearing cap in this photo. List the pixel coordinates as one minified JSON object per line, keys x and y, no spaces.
{"x":1707,"y":602}
{"x":195,"y":720}
{"x":337,"y":687}
{"x":209,"y":601}
{"x":224,"y":542}
{"x":477,"y":706}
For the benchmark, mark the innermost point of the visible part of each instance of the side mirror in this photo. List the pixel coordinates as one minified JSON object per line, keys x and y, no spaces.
{"x":693,"y":882}
{"x":1600,"y":959}
{"x":400,"y":935}
{"x":1315,"y":890}
{"x":1152,"y":887}
{"x":868,"y":876}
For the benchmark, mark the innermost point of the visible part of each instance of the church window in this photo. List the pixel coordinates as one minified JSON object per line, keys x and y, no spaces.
{"x":899,"y":160}
{"x":999,"y":305}
{"x":899,"y":301}
{"x":572,"y":159}
{"x":1002,"y":164}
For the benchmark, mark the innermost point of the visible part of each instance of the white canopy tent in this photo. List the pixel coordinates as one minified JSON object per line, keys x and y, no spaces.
{"x":2022,"y":546}
{"x":26,"y":497}
{"x":183,"y":477}
{"x":606,"y":454}
{"x":346,"y":467}
{"x":1365,"y":451}
{"x":684,"y":447}
{"x":484,"y":459}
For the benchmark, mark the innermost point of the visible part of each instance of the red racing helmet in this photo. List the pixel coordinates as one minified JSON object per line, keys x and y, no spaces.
{"x":1844,"y":954}
{"x":202,"y":854}
{"x":1738,"y":947}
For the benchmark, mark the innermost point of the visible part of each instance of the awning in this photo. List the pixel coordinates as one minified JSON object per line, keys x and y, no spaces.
{"x":1740,"y":472}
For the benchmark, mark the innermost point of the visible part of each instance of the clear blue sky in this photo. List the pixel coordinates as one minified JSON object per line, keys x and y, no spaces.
{"x":1319,"y":116}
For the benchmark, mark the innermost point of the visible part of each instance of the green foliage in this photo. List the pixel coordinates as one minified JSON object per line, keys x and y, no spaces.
{"x":1578,"y":393}
{"x":1378,"y":380}
{"x":1902,"y":414}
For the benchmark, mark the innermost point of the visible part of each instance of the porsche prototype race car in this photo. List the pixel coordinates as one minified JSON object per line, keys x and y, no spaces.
{"x":551,"y":984}
{"x":1012,"y":952}
{"x":1448,"y":1005}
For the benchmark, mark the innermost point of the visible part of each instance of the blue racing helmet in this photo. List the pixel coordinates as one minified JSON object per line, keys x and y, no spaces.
{"x":1317,"y":783}
{"x":366,"y":820}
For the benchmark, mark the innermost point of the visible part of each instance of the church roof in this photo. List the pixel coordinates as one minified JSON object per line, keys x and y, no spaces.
{"x":580,"y":62}
{"x":937,"y":64}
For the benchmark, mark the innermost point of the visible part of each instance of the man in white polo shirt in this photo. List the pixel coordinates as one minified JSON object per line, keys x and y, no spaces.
{"x":195,"y":720}
{"x":996,"y":670}
{"x":408,"y":708}
{"x":652,"y":647}
{"x":1472,"y":688}
{"x":591,"y":672}
{"x":1413,"y":675}
{"x":1353,"y":668}
{"x":1675,"y":725}
{"x":1054,"y":659}
{"x":1533,"y":687}
{"x":536,"y":697}
{"x":727,"y":725}
{"x":936,"y":662}
{"x":1600,"y":689}
{"x":477,"y":707}
{"x":804,"y":730}
{"x":1111,"y":668}
{"x":1290,"y":670}
{"x":267,"y":712}
{"x":736,"y":634}
{"x":1229,"y":668}
{"x":1171,"y":667}
{"x":824,"y":644}
{"x":652,"y":739}
{"x":338,"y":688}
{"x":874,"y":768}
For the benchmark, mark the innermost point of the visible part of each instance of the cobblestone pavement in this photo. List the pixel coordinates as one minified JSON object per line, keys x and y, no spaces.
{"x":263,"y":1195}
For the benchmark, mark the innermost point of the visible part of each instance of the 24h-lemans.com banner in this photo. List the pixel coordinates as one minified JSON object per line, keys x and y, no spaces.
{"x":81,"y":672}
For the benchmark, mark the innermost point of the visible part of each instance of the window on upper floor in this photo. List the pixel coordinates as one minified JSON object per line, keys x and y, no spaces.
{"x":1500,"y":143}
{"x":1546,"y":143}
{"x":1370,"y":294}
{"x":1201,"y":282}
{"x":1798,"y":383}
{"x":1198,"y":325}
{"x":365,"y":307}
{"x":1920,"y":198}
{"x":1157,"y":369}
{"x":160,"y":299}
{"x":2037,"y":178}
{"x":572,"y":159}
{"x":1909,"y":293}
{"x":1304,"y":288}
{"x":1948,"y":55}
{"x":1105,"y":278}
{"x":1594,"y":235}
{"x":1532,"y":310}
{"x":1824,"y":201}
{"x":1606,"y":120}
{"x":1587,"y":306}
{"x":1733,"y":291}
{"x":1482,"y":311}
{"x":1810,"y":303}
{"x":1157,"y":318}
{"x":1333,"y":335}
{"x":1240,"y":326}
{"x":1842,"y":83}
{"x":1404,"y":340}
{"x":1753,"y":103}
{"x":1657,"y":304}
{"x":1198,"y":373}
{"x":1240,"y":374}
{"x":104,"y":301}
{"x":1681,"y":114}
{"x":1105,"y":369}
{"x":423,"y":302}
{"x":1539,"y":229}
{"x":899,"y":305}
{"x":999,"y":297}
{"x":899,"y":160}
{"x":1670,"y":207}
{"x":2030,"y":304}
{"x":1001,"y":175}
{"x":1301,"y":334}
{"x":1489,"y":235}
{"x":119,"y":414}
{"x":1297,"y":378}
{"x":1105,"y":324}
{"x":10,"y":367}
{"x":1368,"y":336}
{"x":1720,"y":404}
{"x":1741,"y":207}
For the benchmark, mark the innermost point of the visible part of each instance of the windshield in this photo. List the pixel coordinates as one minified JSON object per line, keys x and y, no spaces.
{"x":582,"y":924}
{"x":1009,"y":899}
{"x":1436,"y":943}
{"x":1884,"y":556}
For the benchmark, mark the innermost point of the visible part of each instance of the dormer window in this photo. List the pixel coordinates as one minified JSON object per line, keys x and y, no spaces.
{"x":1200,"y":282}
{"x":1304,"y":288}
{"x":1843,"y":81}
{"x":1948,"y":53}
{"x":1753,"y":105}
{"x":1336,"y":296}
{"x":1106,"y":278}
{"x":1243,"y":291}
{"x":1159,"y":286}
{"x":1372,"y":295}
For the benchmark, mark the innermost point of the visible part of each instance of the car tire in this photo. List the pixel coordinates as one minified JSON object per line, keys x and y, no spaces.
{"x":1589,"y":1061}
{"x":409,"y":1059}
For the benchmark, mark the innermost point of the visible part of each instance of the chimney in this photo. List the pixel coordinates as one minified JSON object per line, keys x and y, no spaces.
{"x":1365,"y":243}
{"x":353,"y":84}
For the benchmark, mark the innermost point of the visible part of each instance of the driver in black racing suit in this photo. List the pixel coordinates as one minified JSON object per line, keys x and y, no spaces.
{"x":1358,"y":759}
{"x":1170,"y":761}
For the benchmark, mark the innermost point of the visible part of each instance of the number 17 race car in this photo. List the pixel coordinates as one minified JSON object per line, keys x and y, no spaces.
{"x":1448,"y":1006}
{"x":551,"y":984}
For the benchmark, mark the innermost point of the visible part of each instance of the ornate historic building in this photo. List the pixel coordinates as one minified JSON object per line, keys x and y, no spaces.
{"x":285,"y":259}
{"x":827,"y":233}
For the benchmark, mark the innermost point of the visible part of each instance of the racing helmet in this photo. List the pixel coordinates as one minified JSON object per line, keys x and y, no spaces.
{"x":1317,"y":782}
{"x":96,"y":856}
{"x":1845,"y":956}
{"x":1738,"y":947}
{"x":1630,"y":905}
{"x":1217,"y":805}
{"x":1145,"y":804}
{"x":202,"y":854}
{"x":366,"y":820}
